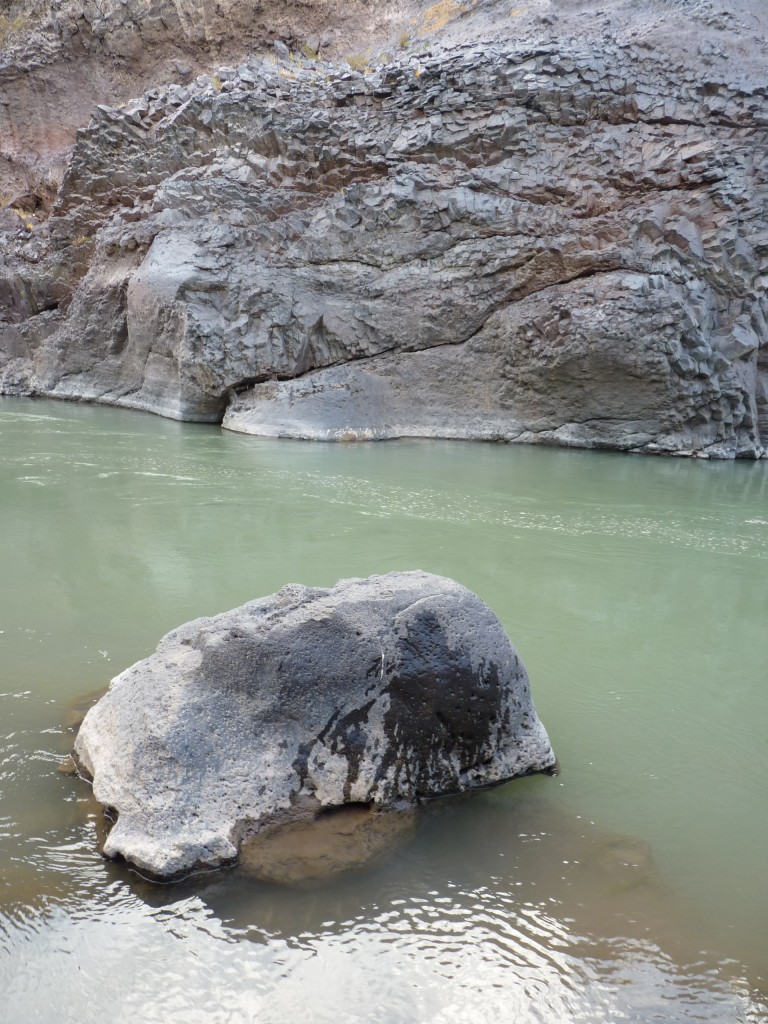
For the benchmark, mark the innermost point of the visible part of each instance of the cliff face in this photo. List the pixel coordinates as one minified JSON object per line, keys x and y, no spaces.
{"x":557,"y":238}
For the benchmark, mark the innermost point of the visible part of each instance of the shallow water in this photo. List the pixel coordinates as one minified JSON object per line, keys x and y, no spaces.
{"x":630,"y":888}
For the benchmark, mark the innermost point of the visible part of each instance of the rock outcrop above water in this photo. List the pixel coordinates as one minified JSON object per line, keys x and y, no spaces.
{"x":384,"y":691}
{"x":557,"y":238}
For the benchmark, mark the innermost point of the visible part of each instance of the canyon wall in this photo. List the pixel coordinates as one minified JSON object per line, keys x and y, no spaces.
{"x":544,"y":227}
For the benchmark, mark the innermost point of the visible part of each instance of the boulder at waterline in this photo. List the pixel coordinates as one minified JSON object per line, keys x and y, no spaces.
{"x":381,"y":691}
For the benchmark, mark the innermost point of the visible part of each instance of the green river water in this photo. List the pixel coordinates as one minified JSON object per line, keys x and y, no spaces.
{"x":631,"y":888}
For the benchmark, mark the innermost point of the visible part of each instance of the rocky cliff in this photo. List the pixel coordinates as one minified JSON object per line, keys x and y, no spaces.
{"x":542,"y":225}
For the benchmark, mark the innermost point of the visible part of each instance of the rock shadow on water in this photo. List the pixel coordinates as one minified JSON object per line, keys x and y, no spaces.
{"x":511,"y":873}
{"x":313,"y":874}
{"x":520,"y":872}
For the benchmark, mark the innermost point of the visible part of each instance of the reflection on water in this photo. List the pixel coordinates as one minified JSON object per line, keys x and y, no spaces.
{"x":480,"y":917}
{"x":629,"y":888}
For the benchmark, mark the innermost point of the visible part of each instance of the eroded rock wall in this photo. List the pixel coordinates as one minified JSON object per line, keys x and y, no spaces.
{"x":60,"y":58}
{"x":537,"y":241}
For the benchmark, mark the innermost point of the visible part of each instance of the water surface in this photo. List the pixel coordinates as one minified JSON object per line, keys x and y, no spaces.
{"x":630,"y":888}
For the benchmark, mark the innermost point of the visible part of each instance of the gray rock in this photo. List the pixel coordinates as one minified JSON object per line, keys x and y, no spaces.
{"x":383,"y":691}
{"x":527,"y":239}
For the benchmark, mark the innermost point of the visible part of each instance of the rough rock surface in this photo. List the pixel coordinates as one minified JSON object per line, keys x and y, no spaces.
{"x":557,"y":237}
{"x":381,"y":691}
{"x":60,"y":58}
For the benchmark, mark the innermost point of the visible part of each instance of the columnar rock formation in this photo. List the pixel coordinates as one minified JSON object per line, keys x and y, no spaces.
{"x":538,"y":240}
{"x":60,"y":58}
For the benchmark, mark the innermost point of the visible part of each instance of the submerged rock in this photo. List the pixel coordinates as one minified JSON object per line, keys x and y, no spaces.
{"x":382,"y":691}
{"x":308,"y":851}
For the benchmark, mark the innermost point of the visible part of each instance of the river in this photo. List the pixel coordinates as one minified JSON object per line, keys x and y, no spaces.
{"x":632,"y":887}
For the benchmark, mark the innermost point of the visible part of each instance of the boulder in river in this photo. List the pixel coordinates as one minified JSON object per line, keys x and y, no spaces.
{"x":382,"y":691}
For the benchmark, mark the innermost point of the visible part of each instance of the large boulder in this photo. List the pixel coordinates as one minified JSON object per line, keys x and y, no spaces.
{"x":382,"y":691}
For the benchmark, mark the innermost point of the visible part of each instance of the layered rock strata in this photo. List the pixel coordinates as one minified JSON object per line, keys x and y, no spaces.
{"x":527,"y":242}
{"x":382,"y":692}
